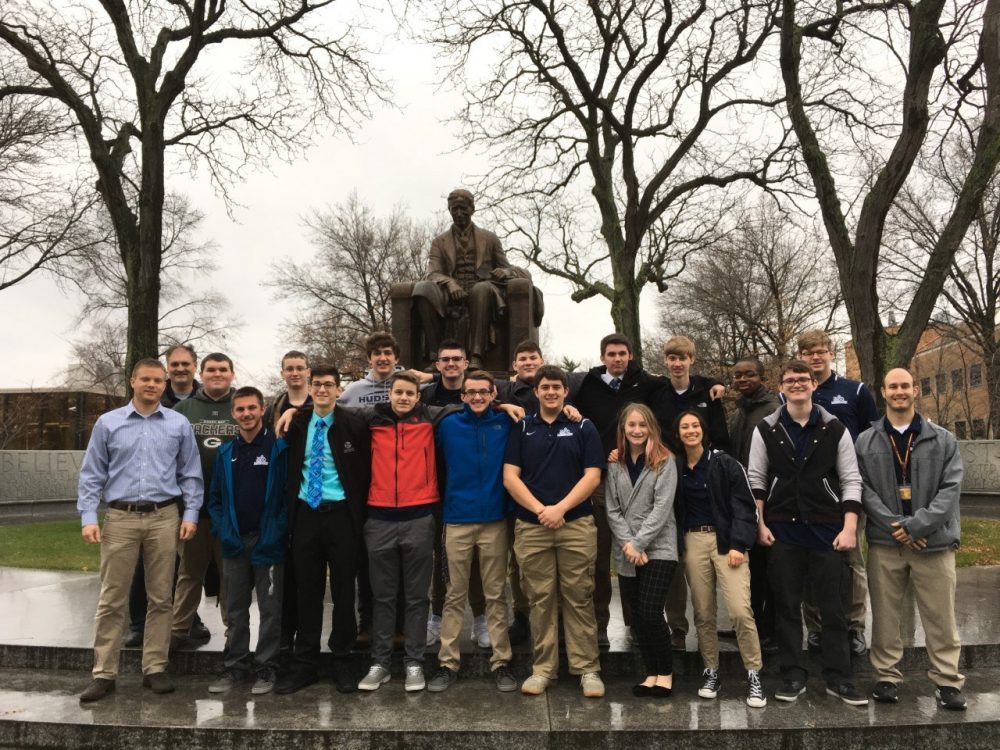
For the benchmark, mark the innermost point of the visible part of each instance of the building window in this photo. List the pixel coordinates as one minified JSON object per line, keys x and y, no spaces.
{"x":978,"y":429}
{"x":958,"y":380}
{"x":960,"y":430}
{"x":941,"y":382}
{"x":975,"y":375}
{"x":925,"y":386}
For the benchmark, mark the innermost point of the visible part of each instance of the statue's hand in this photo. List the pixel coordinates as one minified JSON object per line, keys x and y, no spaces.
{"x":456,"y":292}
{"x":500,"y":274}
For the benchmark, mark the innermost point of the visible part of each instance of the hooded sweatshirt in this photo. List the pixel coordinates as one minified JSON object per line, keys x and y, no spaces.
{"x":213,"y":425}
{"x":366,"y":392}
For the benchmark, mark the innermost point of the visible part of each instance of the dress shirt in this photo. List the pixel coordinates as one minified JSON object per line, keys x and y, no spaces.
{"x":139,"y":459}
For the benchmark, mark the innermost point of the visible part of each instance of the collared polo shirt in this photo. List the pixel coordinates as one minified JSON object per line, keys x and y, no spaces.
{"x":552,"y":458}
{"x":848,"y":400}
{"x":899,"y":440}
{"x":697,"y":504}
{"x":333,"y":489}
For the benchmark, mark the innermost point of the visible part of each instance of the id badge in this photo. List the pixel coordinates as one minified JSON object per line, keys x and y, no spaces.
{"x":905,"y":492}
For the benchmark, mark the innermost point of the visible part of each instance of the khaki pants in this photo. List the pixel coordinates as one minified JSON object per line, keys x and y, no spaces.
{"x":195,"y":555}
{"x":855,"y":606}
{"x":518,"y":600}
{"x":124,"y":536}
{"x":557,"y":575}
{"x":705,"y":569}
{"x":933,"y":577}
{"x":461,"y":542}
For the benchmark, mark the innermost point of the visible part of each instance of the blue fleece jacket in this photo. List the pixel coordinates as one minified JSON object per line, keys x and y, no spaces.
{"x":272,"y":542}
{"x":471,"y":449}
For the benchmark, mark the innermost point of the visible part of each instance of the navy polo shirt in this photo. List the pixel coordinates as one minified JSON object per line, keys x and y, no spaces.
{"x":848,"y":400}
{"x":900,"y":439}
{"x":552,"y":458}
{"x":697,"y":504}
{"x":251,"y":463}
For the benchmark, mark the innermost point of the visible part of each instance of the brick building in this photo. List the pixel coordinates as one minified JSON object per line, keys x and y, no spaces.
{"x":951,"y":376}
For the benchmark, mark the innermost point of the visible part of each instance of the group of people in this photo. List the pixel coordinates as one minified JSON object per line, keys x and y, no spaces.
{"x":412,"y":493}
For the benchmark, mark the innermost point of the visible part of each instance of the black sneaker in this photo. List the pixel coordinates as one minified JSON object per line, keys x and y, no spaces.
{"x":134,"y":639}
{"x":711,"y":683}
{"x":768,"y":645}
{"x":505,"y":680}
{"x":950,"y":698}
{"x":443,"y":679}
{"x":199,"y":633}
{"x":789,"y":691}
{"x":856,"y":640}
{"x":847,"y":693}
{"x":885,"y":692}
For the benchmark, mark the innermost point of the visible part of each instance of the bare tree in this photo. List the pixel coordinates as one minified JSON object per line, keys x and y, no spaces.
{"x":839,"y":63}
{"x":140,"y":78}
{"x":755,"y":292}
{"x":642,"y":109}
{"x":42,"y":224}
{"x":344,"y":290}
{"x":971,"y":292}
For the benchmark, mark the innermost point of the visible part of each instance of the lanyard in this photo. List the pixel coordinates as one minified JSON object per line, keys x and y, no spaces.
{"x":904,"y":460}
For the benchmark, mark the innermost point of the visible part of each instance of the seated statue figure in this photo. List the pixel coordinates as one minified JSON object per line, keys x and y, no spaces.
{"x":467,"y":272}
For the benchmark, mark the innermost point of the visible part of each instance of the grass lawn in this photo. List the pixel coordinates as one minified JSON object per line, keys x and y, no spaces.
{"x":49,"y":545}
{"x":57,"y":545}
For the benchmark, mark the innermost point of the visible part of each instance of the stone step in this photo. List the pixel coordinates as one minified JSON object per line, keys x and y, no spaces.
{"x":475,"y":662}
{"x":39,"y":708}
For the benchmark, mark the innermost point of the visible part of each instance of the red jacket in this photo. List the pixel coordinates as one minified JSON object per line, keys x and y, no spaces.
{"x":404,"y":465}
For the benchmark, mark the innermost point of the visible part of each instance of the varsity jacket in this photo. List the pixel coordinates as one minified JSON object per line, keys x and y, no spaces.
{"x":820,"y":489}
{"x":350,"y":444}
{"x":734,"y":512}
{"x":272,"y":541}
{"x":936,"y":483}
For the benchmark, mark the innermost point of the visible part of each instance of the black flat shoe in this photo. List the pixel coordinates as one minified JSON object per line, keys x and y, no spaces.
{"x":642,"y":691}
{"x":658,"y":691}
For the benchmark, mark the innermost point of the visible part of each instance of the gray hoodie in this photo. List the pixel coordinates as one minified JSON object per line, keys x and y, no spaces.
{"x":366,"y":392}
{"x":936,"y":475}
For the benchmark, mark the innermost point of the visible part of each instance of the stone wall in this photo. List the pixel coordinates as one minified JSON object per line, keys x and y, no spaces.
{"x":30,"y":476}
{"x":981,"y":459}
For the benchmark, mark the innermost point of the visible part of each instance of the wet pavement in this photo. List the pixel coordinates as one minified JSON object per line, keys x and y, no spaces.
{"x":37,"y":703}
{"x":49,"y":608}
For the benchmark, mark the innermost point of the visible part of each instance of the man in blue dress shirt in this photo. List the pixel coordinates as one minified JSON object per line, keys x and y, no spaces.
{"x":143,"y":461}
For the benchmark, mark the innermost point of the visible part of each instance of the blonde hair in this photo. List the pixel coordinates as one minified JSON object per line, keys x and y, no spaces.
{"x":680,"y":346}
{"x":657,"y":453}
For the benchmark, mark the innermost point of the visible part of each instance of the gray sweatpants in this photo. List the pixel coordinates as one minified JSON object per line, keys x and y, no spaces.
{"x":242,"y":579}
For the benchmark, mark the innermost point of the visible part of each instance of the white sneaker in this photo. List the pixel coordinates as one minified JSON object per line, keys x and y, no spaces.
{"x":433,"y":630}
{"x":377,"y":676}
{"x":480,"y":633}
{"x":414,"y":678}
{"x":593,"y":686}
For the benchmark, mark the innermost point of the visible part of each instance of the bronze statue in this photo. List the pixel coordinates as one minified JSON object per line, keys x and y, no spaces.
{"x":467,"y":274}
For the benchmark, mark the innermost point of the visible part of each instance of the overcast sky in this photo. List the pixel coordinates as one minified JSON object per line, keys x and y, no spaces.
{"x":407,"y":156}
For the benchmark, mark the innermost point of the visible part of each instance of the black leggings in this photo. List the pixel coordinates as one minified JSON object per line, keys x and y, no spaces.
{"x":648,"y":592}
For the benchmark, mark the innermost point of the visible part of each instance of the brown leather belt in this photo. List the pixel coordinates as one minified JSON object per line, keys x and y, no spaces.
{"x":143,"y":507}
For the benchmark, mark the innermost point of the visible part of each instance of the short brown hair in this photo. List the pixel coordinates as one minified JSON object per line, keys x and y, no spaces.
{"x":796,"y":365}
{"x":380,"y":340}
{"x":217,"y":357}
{"x":479,"y":375}
{"x":616,"y":338}
{"x":551,"y":372}
{"x":404,"y":376}
{"x":294,"y":354}
{"x":325,"y":369}
{"x":680,"y":346}
{"x":527,"y":346}
{"x":148,"y":362}
{"x":813,"y":338}
{"x":249,"y":391}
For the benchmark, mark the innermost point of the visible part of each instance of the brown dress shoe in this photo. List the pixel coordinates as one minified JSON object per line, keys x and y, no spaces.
{"x":97,"y":689}
{"x":678,"y":641}
{"x":158,"y":682}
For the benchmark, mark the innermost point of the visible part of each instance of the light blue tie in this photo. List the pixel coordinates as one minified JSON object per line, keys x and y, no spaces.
{"x":315,"y":490}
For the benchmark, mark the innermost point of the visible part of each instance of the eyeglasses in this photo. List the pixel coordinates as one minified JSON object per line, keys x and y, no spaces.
{"x":797,"y":381}
{"x":324,"y":385}
{"x":476,"y":392}
{"x":815,"y":353}
{"x":446,"y":360}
